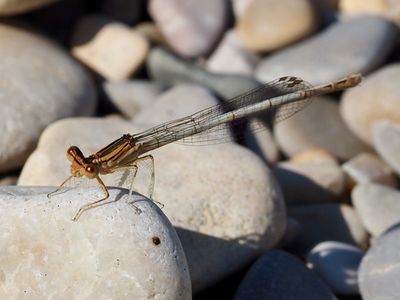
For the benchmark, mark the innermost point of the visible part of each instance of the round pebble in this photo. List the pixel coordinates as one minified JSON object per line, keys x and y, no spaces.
{"x":111,"y":251}
{"x":266,"y":25}
{"x":13,"y":7}
{"x":279,"y":275}
{"x":386,"y":137}
{"x":186,"y":32}
{"x":231,"y":57}
{"x":376,"y":99}
{"x":379,"y":270}
{"x":319,"y":125}
{"x":169,"y":70}
{"x":131,"y":96}
{"x":367,"y":167}
{"x":377,"y":205}
{"x":310,"y":182}
{"x":110,"y":48}
{"x":224,"y":202}
{"x":33,"y":94}
{"x":355,"y":45}
{"x":328,"y":222}
{"x":337,"y":264}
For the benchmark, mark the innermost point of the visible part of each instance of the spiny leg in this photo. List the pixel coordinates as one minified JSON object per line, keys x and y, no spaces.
{"x":60,"y":187}
{"x":94,"y":204}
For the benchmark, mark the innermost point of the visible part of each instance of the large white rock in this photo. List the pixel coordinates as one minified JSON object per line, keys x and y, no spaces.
{"x":111,"y":252}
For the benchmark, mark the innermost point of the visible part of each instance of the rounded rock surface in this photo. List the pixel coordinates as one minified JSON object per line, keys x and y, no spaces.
{"x":386,"y":136}
{"x":310,"y":182}
{"x":328,"y":222}
{"x":266,"y":25}
{"x":226,"y":206}
{"x":110,"y":48}
{"x":40,"y":94}
{"x":319,"y":125}
{"x":186,"y":31}
{"x":112,"y":251}
{"x":356,"y":45}
{"x":13,"y":7}
{"x":379,"y":269}
{"x":377,"y":205}
{"x":337,"y":264}
{"x":376,"y":99}
{"x":279,"y":275}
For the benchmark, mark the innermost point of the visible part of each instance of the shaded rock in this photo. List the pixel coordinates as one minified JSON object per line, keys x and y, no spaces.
{"x":13,"y":7}
{"x":355,"y":45}
{"x":126,"y":11}
{"x":378,"y":206}
{"x":279,"y":275}
{"x":337,"y":264}
{"x":328,"y":222}
{"x":310,"y":182}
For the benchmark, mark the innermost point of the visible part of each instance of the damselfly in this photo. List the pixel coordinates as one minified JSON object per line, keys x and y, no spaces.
{"x":280,"y":98}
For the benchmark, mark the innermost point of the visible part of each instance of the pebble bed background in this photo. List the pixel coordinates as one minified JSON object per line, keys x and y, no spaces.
{"x":308,"y":209}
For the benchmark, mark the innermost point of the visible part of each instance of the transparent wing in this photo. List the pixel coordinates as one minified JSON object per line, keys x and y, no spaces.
{"x":174,"y":130}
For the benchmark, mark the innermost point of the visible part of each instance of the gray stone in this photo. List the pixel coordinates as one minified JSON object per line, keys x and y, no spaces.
{"x":111,"y":252}
{"x":131,"y":96}
{"x":376,"y":99}
{"x":231,"y":57}
{"x":367,"y":167}
{"x":377,"y":205}
{"x":222,"y":199}
{"x":355,"y":45}
{"x":328,"y":222}
{"x":319,"y":125}
{"x":337,"y":264}
{"x":387,"y":143}
{"x":379,"y":270}
{"x":170,"y":70}
{"x":186,"y":32}
{"x":310,"y":182}
{"x":33,"y":95}
{"x":279,"y":275}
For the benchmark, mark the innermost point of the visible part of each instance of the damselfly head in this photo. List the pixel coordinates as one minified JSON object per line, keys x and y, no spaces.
{"x":80,"y":166}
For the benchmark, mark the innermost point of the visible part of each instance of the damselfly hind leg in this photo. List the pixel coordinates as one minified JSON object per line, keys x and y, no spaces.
{"x":94,"y":204}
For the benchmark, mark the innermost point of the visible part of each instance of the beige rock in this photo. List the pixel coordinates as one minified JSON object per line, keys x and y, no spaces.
{"x":223,"y":201}
{"x":313,"y":155}
{"x":386,"y":8}
{"x":111,"y":49}
{"x":12,"y":7}
{"x":376,"y":99}
{"x":111,"y":252}
{"x":266,"y":25}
